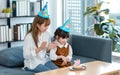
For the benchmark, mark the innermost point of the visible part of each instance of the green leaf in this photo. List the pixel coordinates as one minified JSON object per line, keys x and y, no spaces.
{"x":99,"y":5}
{"x":90,"y":10}
{"x":112,"y":21}
{"x":99,"y":18}
{"x":98,"y":29}
{"x":106,"y":11}
{"x":94,"y":8}
{"x":102,"y":18}
{"x":114,"y":44}
{"x":112,"y":35}
{"x":107,"y":27}
{"x":117,"y":47}
{"x":104,"y":28}
{"x":118,"y":35}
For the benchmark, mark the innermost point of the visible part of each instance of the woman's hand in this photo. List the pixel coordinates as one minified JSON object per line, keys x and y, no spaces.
{"x":52,"y":45}
{"x":43,"y":46}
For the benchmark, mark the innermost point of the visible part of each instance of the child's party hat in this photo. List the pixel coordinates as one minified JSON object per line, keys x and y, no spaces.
{"x":44,"y":12}
{"x":66,"y":26}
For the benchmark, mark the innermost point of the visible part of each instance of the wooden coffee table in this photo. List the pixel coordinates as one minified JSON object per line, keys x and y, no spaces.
{"x":93,"y":68}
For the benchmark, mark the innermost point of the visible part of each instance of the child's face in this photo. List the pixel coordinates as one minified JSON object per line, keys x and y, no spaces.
{"x":62,"y":41}
{"x":42,"y":27}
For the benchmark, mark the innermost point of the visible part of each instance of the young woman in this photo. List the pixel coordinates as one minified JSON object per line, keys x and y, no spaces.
{"x":37,"y":44}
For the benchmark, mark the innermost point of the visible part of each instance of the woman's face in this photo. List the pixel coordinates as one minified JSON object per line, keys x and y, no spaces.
{"x":42,"y":27}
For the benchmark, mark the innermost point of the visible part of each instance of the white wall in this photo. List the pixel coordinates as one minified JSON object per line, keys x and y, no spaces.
{"x":59,"y":13}
{"x":55,"y":10}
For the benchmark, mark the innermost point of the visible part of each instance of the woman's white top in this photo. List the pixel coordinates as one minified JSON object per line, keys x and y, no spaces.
{"x":31,"y":59}
{"x":53,"y":55}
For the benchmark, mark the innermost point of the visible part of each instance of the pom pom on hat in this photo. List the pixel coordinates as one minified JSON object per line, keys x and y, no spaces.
{"x":66,"y":26}
{"x":44,"y":12}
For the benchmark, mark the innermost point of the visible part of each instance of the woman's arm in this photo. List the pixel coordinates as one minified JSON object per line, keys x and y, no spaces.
{"x":28,"y":47}
{"x":51,"y":46}
{"x":42,"y":47}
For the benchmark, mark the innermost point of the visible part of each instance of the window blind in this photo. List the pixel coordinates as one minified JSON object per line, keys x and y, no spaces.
{"x":75,"y":10}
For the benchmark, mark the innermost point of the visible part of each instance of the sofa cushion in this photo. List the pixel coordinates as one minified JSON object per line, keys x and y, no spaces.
{"x":14,"y":71}
{"x":12,"y":57}
{"x":92,"y":47}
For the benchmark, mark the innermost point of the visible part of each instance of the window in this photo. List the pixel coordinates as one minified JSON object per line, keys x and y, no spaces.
{"x":75,"y":10}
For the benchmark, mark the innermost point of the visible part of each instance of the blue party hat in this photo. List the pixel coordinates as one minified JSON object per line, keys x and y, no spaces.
{"x":44,"y":12}
{"x":66,"y":26}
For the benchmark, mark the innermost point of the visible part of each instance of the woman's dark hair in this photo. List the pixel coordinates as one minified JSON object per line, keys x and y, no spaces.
{"x":60,"y":33}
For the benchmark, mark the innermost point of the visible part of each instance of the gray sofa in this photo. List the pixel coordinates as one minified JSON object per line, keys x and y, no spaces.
{"x":85,"y":48}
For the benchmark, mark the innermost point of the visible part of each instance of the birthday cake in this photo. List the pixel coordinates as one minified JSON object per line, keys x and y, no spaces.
{"x":77,"y":64}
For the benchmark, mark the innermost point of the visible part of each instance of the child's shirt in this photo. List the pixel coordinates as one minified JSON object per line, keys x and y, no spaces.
{"x":64,"y":50}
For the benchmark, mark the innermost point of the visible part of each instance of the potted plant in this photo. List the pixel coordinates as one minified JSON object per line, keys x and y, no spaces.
{"x":7,"y":11}
{"x":3,"y":12}
{"x":102,"y":26}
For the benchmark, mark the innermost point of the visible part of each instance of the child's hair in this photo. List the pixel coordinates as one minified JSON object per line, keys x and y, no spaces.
{"x":60,"y":33}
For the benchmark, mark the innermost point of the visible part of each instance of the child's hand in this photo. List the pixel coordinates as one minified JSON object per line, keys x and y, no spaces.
{"x":63,"y":63}
{"x":65,"y":60}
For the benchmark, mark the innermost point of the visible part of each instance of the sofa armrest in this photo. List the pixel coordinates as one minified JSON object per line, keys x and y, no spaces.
{"x":88,"y":46}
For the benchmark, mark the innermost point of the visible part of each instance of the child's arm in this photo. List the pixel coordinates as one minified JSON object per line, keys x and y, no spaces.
{"x":70,"y":53}
{"x":53,"y":55}
{"x":65,"y":60}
